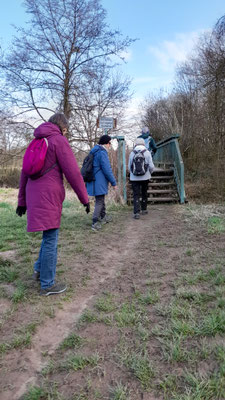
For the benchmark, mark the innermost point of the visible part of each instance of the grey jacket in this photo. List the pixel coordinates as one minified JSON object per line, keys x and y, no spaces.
{"x":148,"y":159}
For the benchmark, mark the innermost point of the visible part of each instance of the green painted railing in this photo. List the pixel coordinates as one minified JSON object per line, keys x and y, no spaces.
{"x":168,"y":151}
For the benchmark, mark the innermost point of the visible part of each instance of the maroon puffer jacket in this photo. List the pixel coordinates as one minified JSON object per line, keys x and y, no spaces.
{"x":44,"y":196}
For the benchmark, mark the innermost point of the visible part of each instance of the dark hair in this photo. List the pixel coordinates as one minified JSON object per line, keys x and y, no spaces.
{"x":60,"y":120}
{"x":104,"y":139}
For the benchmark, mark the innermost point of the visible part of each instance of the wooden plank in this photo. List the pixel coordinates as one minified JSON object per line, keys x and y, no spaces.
{"x":162,"y":191}
{"x":161,"y":177}
{"x":162,"y":199}
{"x":161,"y":184}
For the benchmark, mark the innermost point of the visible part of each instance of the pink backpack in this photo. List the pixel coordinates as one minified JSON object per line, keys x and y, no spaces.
{"x":34,"y":157}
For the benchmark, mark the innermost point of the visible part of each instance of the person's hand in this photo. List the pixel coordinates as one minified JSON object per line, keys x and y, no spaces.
{"x":87,"y":206}
{"x":115,"y":187}
{"x":21,"y":210}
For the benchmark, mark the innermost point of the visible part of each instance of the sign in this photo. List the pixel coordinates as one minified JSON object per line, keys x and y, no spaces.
{"x":106,"y":123}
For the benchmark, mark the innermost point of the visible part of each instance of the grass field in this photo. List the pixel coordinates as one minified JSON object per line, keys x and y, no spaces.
{"x":154,"y":318}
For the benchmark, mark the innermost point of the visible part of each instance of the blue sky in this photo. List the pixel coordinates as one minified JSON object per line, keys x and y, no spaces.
{"x":166,"y":30}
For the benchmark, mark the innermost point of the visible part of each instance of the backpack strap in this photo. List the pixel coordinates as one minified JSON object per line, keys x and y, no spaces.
{"x":49,"y":169}
{"x":94,"y":153}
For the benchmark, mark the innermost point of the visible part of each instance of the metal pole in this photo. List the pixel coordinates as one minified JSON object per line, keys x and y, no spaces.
{"x":124,"y":172}
{"x":119,"y":164}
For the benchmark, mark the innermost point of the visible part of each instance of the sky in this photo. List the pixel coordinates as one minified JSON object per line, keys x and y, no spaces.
{"x":166,"y":32}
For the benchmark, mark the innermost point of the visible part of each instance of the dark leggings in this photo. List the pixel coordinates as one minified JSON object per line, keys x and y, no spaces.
{"x":99,"y":211}
{"x":140,"y":189}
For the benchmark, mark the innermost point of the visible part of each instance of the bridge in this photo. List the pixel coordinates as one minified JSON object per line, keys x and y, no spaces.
{"x":167,"y":182}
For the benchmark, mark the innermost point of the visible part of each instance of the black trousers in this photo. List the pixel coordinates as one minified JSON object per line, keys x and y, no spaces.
{"x":140,"y":191}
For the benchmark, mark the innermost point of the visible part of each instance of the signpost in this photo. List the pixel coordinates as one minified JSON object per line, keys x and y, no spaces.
{"x":106,"y":123}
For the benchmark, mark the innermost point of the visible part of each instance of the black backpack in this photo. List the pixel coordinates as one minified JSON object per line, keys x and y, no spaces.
{"x":87,"y":170}
{"x":139,"y":166}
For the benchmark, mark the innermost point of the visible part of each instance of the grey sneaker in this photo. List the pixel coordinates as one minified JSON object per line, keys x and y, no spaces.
{"x":55,"y":289}
{"x":137,"y":216}
{"x":36,"y":276}
{"x":106,"y":219}
{"x":144,"y":212}
{"x":96,"y":226}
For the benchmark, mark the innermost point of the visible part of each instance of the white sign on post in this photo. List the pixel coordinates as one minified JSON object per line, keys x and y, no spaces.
{"x":107,"y":123}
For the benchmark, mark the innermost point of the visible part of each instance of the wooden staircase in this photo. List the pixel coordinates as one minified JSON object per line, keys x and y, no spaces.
{"x":162,"y":186}
{"x":167,"y":182}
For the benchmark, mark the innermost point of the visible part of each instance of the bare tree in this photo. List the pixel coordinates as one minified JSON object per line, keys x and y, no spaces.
{"x":195,"y":109}
{"x":104,"y":95}
{"x":56,"y":63}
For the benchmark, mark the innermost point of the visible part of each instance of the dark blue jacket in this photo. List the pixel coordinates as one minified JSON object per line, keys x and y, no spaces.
{"x":102,"y":171}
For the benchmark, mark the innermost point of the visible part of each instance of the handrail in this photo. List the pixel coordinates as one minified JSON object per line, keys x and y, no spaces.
{"x":168,"y":151}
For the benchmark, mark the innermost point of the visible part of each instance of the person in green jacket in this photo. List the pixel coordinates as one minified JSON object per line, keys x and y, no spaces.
{"x":149,"y":141}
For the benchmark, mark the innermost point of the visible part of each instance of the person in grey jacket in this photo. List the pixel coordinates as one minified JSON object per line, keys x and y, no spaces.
{"x":140,"y":182}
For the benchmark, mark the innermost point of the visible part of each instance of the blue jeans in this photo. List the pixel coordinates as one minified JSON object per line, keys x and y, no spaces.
{"x":47,"y":260}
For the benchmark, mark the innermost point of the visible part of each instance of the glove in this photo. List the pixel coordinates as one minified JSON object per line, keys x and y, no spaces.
{"x":87,"y":206}
{"x":21,"y":210}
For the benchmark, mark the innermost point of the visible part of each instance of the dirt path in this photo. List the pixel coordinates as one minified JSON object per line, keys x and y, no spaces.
{"x":118,"y":259}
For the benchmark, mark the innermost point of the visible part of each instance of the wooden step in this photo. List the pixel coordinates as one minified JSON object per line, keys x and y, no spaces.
{"x":161,"y":184}
{"x":163,"y":170}
{"x":163,"y":163}
{"x":166,"y":170}
{"x":162,"y":199}
{"x":158,"y":177}
{"x":162,"y":191}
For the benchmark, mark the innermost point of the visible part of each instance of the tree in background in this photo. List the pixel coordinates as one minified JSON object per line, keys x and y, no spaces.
{"x":195,"y":109}
{"x":60,"y":61}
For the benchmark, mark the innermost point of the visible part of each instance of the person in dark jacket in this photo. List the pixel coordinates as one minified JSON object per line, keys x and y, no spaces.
{"x":149,"y":141}
{"x":103,"y":176}
{"x":42,"y":198}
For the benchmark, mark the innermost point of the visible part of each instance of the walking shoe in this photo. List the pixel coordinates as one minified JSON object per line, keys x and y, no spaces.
{"x":36,"y":276}
{"x":144,"y":212}
{"x":106,"y":219}
{"x":55,"y":289}
{"x":96,"y":226}
{"x":137,"y":216}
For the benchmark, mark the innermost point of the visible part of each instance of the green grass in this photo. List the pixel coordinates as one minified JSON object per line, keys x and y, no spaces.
{"x":13,"y":235}
{"x":22,"y":338}
{"x":215,"y":276}
{"x":20,"y":293}
{"x":18,"y":341}
{"x":105,"y":303}
{"x":127,"y":315}
{"x":71,"y":342}
{"x":119,"y":392}
{"x":88,"y":316}
{"x":8,"y":273}
{"x":216,"y":225}
{"x":79,"y":362}
{"x":5,"y":205}
{"x":151,"y":297}
{"x":208,"y":388}
{"x":36,"y":393}
{"x":142,"y":368}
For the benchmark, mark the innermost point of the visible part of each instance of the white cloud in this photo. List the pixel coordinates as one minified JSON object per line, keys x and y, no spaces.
{"x":169,"y":53}
{"x":126,"y":55}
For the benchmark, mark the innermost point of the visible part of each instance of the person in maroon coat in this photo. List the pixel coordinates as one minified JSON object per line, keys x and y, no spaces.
{"x":43,"y":197}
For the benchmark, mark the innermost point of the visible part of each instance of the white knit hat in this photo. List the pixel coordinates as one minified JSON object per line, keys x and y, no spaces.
{"x":145,"y":129}
{"x":139,"y":141}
